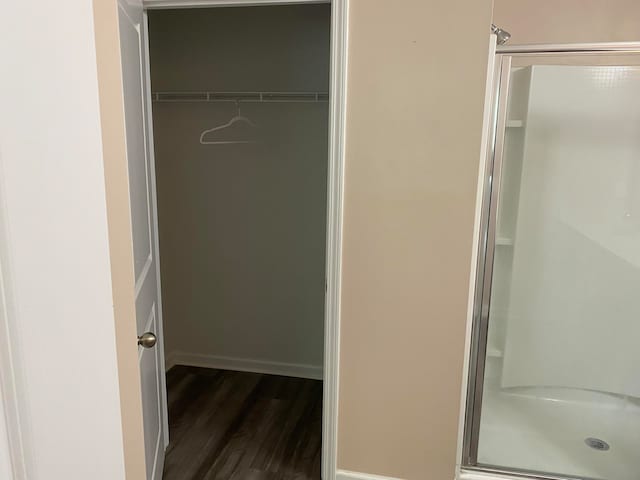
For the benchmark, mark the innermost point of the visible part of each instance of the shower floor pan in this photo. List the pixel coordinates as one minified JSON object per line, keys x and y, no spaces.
{"x":558,"y":431}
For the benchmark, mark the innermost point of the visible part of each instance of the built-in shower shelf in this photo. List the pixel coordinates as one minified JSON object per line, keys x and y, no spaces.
{"x":494,"y":352}
{"x":504,"y":241}
{"x":515,"y":124}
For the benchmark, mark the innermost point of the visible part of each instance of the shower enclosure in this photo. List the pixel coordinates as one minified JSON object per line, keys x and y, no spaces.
{"x":554,"y":377}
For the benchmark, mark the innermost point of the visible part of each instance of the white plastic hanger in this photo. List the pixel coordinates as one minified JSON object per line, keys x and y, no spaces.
{"x":236,"y":119}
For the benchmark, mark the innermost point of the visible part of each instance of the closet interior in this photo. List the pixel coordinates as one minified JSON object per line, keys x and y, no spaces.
{"x":240,"y":127}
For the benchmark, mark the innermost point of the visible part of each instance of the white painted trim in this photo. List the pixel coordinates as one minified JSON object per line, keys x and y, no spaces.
{"x":155,"y":4}
{"x":347,"y":475}
{"x":8,"y":399}
{"x":335,"y":194}
{"x":484,"y":148}
{"x":13,"y":400}
{"x":244,"y":365}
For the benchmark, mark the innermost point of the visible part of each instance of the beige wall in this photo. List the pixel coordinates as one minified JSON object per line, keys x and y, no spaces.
{"x":416,"y":84}
{"x":568,"y":21}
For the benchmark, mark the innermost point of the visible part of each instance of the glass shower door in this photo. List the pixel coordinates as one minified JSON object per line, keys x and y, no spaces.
{"x":556,"y":382}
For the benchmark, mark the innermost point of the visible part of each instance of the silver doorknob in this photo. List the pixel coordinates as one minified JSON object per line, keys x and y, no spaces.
{"x":147,"y":340}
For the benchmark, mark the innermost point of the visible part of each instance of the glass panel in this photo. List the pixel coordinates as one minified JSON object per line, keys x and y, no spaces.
{"x":562,"y":378}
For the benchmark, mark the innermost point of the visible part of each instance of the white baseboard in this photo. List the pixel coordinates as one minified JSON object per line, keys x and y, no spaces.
{"x":244,"y":365}
{"x":347,"y":475}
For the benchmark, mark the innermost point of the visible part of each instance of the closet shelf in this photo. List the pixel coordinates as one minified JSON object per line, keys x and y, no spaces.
{"x":244,"y":97}
{"x":504,"y":241}
{"x":494,"y":352}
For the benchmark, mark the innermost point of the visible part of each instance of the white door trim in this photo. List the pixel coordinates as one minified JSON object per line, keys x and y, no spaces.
{"x":11,"y":395}
{"x":335,"y":188}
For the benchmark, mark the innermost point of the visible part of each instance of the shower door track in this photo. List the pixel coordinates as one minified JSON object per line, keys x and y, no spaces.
{"x":484,"y":246}
{"x":613,"y":47}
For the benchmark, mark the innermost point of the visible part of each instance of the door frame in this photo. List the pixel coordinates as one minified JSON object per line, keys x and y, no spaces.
{"x":13,"y":454}
{"x":335,"y":189}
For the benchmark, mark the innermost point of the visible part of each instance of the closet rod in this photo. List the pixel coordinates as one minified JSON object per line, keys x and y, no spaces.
{"x":244,"y":97}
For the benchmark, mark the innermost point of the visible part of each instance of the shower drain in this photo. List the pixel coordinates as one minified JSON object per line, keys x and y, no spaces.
{"x":597,"y":444}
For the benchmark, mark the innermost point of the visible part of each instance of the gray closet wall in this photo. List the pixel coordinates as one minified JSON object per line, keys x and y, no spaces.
{"x":242,"y":227}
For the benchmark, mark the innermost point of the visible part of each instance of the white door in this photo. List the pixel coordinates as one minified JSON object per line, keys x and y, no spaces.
{"x":133,"y":45}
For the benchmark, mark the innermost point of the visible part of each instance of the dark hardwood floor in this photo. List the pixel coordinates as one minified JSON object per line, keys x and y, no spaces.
{"x":228,"y":425}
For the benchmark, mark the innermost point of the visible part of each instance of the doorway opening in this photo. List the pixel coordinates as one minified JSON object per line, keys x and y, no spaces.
{"x":240,"y":109}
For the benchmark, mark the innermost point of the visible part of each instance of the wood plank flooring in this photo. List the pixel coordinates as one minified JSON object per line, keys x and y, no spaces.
{"x":226,"y":425}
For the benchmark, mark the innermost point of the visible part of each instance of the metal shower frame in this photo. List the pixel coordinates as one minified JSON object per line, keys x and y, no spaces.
{"x":469,"y":467}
